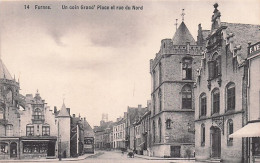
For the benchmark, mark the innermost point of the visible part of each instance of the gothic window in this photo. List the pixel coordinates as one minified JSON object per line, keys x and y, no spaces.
{"x":37,"y":114}
{"x":231,"y":96}
{"x":168,"y":124}
{"x":160,"y":129}
{"x":29,"y":130}
{"x":203,"y":132}
{"x":160,"y":99}
{"x":230,"y":130}
{"x":203,"y":104}
{"x":1,"y":113}
{"x":46,"y":130}
{"x":215,"y":101}
{"x":187,"y":69}
{"x":154,"y":131}
{"x":186,"y":97}
{"x":9,"y":130}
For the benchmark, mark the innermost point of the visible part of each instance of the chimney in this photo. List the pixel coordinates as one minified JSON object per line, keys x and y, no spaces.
{"x":199,"y":37}
{"x":68,"y":109}
{"x":139,"y":106}
{"x":74,"y":115}
{"x":125,"y":114}
{"x":55,"y":109}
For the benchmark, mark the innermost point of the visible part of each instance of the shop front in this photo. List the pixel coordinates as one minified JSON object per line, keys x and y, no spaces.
{"x":38,"y":147}
{"x":9,"y":148}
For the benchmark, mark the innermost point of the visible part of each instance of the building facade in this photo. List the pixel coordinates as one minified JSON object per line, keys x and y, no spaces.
{"x":221,"y":91}
{"x":119,"y":134}
{"x":173,"y":75}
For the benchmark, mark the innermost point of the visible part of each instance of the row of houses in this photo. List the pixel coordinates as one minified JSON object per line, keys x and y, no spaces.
{"x":205,"y":97}
{"x":29,"y":128}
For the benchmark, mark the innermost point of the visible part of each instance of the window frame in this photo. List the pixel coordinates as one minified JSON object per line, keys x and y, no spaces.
{"x":230,"y":96}
{"x":203,"y":104}
{"x":203,"y":135}
{"x":29,"y":130}
{"x":230,"y":131}
{"x":186,"y":102}
{"x":46,"y":130}
{"x":215,"y":101}
{"x":187,"y":68}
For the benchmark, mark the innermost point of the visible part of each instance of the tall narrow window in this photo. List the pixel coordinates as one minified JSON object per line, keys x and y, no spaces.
{"x":203,"y":132}
{"x":203,"y":104}
{"x":1,"y":113}
{"x":160,"y":99}
{"x":230,"y":131}
{"x":231,"y":96}
{"x":215,"y":101}
{"x":186,"y":97}
{"x":154,"y":103}
{"x":160,"y":73}
{"x":187,"y":69}
{"x":154,"y":132}
{"x":160,"y":129}
{"x":29,"y":130}
{"x":154,"y":80}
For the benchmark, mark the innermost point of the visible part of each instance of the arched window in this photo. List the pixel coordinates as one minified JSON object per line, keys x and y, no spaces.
{"x":1,"y":113}
{"x":187,"y":68}
{"x":160,"y":99}
{"x":186,"y":97}
{"x":230,"y":130}
{"x":215,"y":101}
{"x":203,"y":104}
{"x":231,"y":96}
{"x":168,"y":123}
{"x":203,"y":135}
{"x":154,"y":131}
{"x":160,"y":129}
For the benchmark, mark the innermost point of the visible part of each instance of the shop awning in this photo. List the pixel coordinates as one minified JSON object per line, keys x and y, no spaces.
{"x":250,"y":130}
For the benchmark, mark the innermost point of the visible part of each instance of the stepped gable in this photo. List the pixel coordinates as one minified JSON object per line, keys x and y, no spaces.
{"x":182,"y":36}
{"x":241,"y":34}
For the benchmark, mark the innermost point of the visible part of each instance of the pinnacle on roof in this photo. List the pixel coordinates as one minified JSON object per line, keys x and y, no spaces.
{"x":182,"y":36}
{"x":63,"y":111}
{"x":4,"y":73}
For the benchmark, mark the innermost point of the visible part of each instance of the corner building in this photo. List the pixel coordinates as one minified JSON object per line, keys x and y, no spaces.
{"x":221,"y":91}
{"x":172,"y":113}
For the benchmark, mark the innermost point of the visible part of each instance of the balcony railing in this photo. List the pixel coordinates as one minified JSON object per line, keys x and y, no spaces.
{"x":38,"y":118}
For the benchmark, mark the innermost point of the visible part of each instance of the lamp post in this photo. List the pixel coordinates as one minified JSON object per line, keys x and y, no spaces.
{"x":59,"y":146}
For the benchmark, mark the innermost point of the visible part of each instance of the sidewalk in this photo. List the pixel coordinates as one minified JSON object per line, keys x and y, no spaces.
{"x":162,"y":158}
{"x":52,"y":160}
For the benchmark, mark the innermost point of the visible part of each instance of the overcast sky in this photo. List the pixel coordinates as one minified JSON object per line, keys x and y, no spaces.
{"x":98,"y":60}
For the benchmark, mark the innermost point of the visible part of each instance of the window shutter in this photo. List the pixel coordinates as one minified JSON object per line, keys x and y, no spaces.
{"x":211,"y":69}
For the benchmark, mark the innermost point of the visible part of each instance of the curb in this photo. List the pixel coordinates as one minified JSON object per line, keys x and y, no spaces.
{"x":158,"y":158}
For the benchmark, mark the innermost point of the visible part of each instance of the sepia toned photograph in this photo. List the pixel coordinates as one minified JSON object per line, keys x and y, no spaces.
{"x":120,"y":81}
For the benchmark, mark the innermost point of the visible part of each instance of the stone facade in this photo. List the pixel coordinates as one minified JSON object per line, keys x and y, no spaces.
{"x":119,"y":134}
{"x":221,"y":91}
{"x":172,"y":115}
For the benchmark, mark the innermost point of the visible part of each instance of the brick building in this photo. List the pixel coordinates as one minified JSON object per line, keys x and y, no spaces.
{"x":173,"y":74}
{"x":221,"y":91}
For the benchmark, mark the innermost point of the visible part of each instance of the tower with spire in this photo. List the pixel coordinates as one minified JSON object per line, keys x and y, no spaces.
{"x":172,"y":115}
{"x":64,"y":132}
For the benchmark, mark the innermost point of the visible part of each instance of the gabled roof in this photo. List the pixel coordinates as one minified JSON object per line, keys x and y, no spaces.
{"x":4,"y":73}
{"x":63,"y":111}
{"x":243,"y":33}
{"x":182,"y":36}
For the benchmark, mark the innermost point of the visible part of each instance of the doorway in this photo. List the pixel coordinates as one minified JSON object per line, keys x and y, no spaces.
{"x":13,"y":150}
{"x":175,"y":151}
{"x":215,"y":142}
